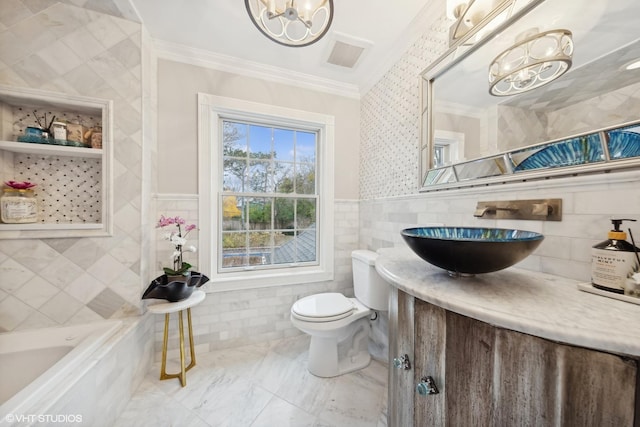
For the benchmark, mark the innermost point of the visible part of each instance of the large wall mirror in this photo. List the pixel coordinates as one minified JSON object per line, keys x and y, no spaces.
{"x":535,"y":124}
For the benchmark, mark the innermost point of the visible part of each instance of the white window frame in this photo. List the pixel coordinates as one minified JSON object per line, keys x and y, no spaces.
{"x":453,"y":143}
{"x":211,"y":110}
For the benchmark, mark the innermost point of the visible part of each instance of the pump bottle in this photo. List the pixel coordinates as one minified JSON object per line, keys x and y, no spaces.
{"x":613,"y":260}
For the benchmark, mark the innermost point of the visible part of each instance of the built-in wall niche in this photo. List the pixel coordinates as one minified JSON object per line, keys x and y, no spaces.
{"x":72,"y":177}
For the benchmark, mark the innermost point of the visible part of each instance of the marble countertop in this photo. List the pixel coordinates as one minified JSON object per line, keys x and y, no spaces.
{"x":534,"y":303}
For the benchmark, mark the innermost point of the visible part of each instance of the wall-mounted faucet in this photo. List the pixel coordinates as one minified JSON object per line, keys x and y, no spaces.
{"x":538,"y":209}
{"x":481,"y":211}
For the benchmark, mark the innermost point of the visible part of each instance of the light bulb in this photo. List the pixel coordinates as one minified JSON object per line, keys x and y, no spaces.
{"x":633,"y":66}
{"x":271,"y":8}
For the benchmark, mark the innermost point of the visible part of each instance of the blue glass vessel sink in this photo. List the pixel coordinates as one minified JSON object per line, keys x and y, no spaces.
{"x":470,"y":250}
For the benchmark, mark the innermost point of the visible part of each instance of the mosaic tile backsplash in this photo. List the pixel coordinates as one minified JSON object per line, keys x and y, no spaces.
{"x":390,"y":120}
{"x":67,"y":188}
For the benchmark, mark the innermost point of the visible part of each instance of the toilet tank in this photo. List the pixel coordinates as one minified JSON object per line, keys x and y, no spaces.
{"x":369,"y":288}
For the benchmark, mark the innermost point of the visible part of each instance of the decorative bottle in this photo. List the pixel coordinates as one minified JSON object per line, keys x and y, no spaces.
{"x":18,"y":206}
{"x":614,"y":260}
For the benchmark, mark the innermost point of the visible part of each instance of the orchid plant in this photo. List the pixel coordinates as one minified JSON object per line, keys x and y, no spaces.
{"x":19,"y":185}
{"x":179,"y":241}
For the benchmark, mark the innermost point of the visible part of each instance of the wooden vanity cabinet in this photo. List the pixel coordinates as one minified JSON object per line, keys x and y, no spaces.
{"x":489,"y":376}
{"x":401,"y":333}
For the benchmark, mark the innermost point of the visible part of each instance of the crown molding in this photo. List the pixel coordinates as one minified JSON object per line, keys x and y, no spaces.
{"x":203,"y":58}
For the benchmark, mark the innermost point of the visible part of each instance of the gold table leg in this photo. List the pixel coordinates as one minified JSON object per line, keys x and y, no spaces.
{"x":183,"y":371}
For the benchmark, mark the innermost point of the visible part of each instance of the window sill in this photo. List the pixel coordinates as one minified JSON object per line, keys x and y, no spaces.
{"x":260,"y":279}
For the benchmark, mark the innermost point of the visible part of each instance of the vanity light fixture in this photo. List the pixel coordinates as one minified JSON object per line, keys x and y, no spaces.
{"x":290,"y":22}
{"x":535,"y":60}
{"x":487,"y":15}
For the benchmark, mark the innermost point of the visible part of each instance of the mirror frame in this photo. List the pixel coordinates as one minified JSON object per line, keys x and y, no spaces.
{"x":459,"y":50}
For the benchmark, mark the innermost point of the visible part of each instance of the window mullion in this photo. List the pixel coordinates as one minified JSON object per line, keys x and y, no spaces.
{"x":254,"y":196}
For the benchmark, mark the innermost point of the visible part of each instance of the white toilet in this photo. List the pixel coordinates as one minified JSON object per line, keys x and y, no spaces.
{"x":339,"y":326}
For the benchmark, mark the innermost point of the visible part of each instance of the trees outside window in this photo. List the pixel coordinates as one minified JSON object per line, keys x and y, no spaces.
{"x":269,"y":199}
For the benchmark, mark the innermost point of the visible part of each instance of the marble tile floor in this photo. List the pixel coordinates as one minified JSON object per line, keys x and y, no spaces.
{"x":262,"y":385}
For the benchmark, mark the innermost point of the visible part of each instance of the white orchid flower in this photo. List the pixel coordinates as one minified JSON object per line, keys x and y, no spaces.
{"x":177,"y":240}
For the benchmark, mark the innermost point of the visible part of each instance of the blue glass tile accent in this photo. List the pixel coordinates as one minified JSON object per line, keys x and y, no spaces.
{"x":570,"y":152}
{"x":624,"y":143}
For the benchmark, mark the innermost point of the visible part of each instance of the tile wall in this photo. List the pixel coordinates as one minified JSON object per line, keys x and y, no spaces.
{"x":389,"y":177}
{"x":588,"y":204}
{"x":85,"y":48}
{"x":106,"y":385}
{"x":389,"y":128}
{"x":56,"y":281}
{"x":235,"y":318}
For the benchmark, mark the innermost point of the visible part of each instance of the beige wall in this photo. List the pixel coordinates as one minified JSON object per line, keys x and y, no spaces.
{"x":178,"y":86}
{"x":241,"y":317}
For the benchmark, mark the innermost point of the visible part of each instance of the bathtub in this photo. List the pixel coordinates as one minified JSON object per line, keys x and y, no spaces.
{"x":36,"y":364}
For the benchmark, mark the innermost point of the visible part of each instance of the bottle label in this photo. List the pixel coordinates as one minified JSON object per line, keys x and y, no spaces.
{"x":60,"y":133}
{"x":15,"y":209}
{"x":611,"y":268}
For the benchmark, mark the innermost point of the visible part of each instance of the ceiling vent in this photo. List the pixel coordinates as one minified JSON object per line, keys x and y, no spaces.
{"x":345,"y":55}
{"x":347,"y":51}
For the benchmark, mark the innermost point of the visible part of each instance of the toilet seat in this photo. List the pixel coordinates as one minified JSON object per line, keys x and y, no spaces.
{"x":325,"y":307}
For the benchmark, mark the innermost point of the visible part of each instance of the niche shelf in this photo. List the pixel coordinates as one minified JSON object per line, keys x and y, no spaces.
{"x":73,"y":183}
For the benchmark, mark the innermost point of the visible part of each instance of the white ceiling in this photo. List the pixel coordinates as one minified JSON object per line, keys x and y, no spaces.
{"x":221,"y":31}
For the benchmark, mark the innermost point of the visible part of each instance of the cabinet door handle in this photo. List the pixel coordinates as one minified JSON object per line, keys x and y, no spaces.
{"x":402,"y":362}
{"x":427,"y":386}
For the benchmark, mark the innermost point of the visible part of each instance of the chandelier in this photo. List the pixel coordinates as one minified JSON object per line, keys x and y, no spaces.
{"x":535,"y":60}
{"x":291,"y":22}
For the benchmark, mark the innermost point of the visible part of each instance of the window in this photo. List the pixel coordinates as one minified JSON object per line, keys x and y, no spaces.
{"x":266,"y":192}
{"x":441,"y":155}
{"x":269,"y":196}
{"x":448,"y":148}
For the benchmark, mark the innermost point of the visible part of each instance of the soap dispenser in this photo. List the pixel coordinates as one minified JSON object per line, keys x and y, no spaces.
{"x":613,"y":260}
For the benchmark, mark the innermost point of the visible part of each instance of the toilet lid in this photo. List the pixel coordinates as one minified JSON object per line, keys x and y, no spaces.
{"x":327,"y":306}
